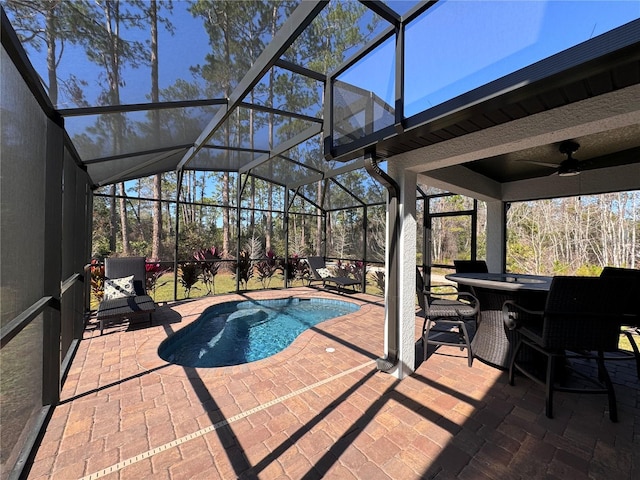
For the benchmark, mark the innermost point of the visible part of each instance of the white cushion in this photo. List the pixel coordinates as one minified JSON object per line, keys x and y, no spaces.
{"x":324,"y":272}
{"x":118,"y":287}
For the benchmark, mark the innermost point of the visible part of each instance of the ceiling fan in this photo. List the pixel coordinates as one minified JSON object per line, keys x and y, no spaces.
{"x":570,"y":166}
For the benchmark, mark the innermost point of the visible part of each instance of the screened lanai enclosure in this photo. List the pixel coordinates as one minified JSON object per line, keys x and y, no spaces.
{"x":379,"y":135}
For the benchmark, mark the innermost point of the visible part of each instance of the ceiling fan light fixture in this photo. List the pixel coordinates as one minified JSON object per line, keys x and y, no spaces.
{"x":568,"y":172}
{"x":570,"y":167}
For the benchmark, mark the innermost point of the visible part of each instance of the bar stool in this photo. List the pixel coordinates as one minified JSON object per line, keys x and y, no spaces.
{"x":447,"y":313}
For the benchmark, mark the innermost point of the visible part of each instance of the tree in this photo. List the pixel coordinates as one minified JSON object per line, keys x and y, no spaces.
{"x":322,"y":47}
{"x":109,"y":50}
{"x":51,"y":24}
{"x":155,"y":119}
{"x":223,"y":21}
{"x":575,"y":235}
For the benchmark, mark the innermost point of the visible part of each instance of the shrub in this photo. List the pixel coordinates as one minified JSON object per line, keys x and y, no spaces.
{"x":354,"y":269}
{"x":97,"y":279}
{"x":297,"y":269}
{"x":378,"y":279}
{"x":153,"y":272}
{"x":209,"y":267}
{"x":267,"y":268}
{"x":243,"y":268}
{"x":188,"y":276}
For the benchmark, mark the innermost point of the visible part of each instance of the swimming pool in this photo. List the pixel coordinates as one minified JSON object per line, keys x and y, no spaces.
{"x":233,"y":333}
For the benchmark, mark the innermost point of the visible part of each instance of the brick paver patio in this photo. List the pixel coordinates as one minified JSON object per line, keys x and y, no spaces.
{"x":309,"y":413}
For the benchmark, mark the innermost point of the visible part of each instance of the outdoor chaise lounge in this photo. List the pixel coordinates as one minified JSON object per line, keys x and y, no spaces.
{"x":125,"y":293}
{"x":320,"y":273}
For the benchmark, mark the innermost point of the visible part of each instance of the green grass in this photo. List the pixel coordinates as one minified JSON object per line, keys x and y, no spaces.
{"x":224,"y":283}
{"x":625,"y":344}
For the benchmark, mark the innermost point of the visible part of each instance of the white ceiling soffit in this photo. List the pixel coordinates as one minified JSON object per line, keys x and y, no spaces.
{"x":435,"y":164}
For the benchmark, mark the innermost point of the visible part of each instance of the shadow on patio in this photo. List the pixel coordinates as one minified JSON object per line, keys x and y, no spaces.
{"x":309,"y":413}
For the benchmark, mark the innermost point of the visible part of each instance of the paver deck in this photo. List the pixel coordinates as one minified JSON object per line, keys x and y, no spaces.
{"x":310,"y":413}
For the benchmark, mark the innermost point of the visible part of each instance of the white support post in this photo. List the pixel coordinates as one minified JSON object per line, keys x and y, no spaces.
{"x":496,"y":235}
{"x":406,"y":261}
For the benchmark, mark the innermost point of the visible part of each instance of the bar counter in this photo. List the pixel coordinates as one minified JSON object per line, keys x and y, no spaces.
{"x":493,"y":342}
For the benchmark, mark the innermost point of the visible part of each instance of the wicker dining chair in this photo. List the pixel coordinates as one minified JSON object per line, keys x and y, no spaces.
{"x":446,"y":313}
{"x":577,"y":322}
{"x":470,"y":266}
{"x":628,"y":303}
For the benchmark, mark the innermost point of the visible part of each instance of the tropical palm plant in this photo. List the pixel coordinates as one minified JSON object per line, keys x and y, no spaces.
{"x":267,"y":268}
{"x":188,"y":276}
{"x":243,"y":268}
{"x":209,"y":267}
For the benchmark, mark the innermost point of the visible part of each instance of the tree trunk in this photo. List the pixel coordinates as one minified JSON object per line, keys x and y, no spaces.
{"x":51,"y":33}
{"x":156,"y":241}
{"x":124,"y":224}
{"x":319,"y":220}
{"x":112,"y":64}
{"x":269,"y":224}
{"x":113,"y":219}
{"x":225,"y":213}
{"x":226,"y":237}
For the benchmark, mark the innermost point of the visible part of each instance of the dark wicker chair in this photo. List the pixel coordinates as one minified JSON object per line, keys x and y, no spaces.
{"x":576,"y":322}
{"x":132,"y":306}
{"x":469,"y":266}
{"x":628,"y":302}
{"x":446,"y":313}
{"x":316,"y":264}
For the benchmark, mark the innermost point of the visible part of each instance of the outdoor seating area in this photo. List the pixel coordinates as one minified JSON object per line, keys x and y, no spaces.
{"x":495,"y":340}
{"x":309,"y":413}
{"x":161,"y":158}
{"x":534,"y":325}
{"x":628,"y":283}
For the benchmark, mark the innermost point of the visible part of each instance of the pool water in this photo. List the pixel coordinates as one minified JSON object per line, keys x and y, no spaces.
{"x":233,"y":333}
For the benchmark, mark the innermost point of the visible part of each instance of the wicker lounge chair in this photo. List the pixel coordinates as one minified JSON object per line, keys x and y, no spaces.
{"x":129,"y":304}
{"x":320,"y":273}
{"x":446,"y":313}
{"x":577,"y":322}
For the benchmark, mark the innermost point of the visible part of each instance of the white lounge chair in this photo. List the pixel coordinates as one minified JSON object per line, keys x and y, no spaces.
{"x":320,"y":273}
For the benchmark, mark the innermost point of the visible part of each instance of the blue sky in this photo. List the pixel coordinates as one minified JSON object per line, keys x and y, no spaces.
{"x":459,"y":45}
{"x":455,"y":46}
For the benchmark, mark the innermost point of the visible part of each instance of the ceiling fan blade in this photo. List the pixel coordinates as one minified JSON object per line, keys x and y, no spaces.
{"x":588,"y":165}
{"x":569,"y":168}
{"x":544,"y":164}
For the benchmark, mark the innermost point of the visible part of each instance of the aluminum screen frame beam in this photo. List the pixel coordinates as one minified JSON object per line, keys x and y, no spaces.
{"x":284,"y":146}
{"x":139,"y":107}
{"x":295,"y":24}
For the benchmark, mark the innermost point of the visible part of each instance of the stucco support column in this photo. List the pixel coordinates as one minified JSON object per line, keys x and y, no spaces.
{"x":496,"y":236}
{"x":406,"y":271}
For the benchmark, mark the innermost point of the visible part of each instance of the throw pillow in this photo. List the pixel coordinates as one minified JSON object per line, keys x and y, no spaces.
{"x":118,"y":287}
{"x":324,"y":272}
